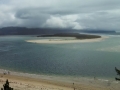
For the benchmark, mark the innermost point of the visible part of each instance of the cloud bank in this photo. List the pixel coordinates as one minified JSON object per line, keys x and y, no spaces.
{"x":76,"y":14}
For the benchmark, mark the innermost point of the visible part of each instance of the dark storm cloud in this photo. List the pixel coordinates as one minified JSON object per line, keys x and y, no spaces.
{"x":32,"y":17}
{"x":77,"y":14}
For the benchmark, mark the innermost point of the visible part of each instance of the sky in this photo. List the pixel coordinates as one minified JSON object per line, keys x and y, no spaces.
{"x":75,"y":14}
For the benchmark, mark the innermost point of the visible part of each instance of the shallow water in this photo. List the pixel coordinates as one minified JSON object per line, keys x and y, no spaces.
{"x":93,"y":59}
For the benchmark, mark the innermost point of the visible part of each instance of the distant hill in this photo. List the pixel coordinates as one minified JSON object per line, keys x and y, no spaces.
{"x":31,"y":31}
{"x":98,"y":31}
{"x":39,"y":31}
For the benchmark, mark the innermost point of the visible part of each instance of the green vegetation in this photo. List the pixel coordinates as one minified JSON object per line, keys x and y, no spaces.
{"x":77,"y":35}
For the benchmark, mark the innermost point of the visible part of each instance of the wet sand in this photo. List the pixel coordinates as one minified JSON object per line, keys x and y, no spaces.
{"x":25,"y":81}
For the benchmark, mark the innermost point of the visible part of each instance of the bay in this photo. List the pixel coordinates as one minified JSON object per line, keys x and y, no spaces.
{"x":93,"y":59}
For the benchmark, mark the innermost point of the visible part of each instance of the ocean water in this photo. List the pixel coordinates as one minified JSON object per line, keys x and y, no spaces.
{"x":93,"y":59}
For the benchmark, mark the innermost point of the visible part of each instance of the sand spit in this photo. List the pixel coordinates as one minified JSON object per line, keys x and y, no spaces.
{"x":65,"y":41}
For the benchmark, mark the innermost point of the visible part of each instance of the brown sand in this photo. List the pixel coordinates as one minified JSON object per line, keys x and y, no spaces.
{"x":28,"y":83}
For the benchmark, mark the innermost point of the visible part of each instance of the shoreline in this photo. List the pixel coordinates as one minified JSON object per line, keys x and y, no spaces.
{"x":28,"y":81}
{"x":65,"y":41}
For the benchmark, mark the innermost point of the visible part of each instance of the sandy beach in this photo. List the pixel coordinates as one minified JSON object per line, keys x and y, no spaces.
{"x":23,"y":81}
{"x":64,"y":41}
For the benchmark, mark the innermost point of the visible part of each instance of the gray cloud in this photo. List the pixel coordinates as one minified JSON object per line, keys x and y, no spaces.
{"x":77,"y":14}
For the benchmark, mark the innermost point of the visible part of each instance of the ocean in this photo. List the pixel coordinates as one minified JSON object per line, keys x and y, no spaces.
{"x":93,"y":59}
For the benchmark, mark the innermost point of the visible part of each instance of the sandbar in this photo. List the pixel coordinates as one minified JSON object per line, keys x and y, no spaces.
{"x":65,"y":41}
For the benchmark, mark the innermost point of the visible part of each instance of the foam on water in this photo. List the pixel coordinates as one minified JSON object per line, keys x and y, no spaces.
{"x":68,"y":79}
{"x":110,"y":49}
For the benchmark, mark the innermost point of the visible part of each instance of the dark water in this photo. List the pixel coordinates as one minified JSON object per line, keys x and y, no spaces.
{"x":81,"y":59}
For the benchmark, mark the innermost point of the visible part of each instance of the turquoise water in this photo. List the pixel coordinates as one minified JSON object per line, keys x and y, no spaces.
{"x":80,"y":59}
